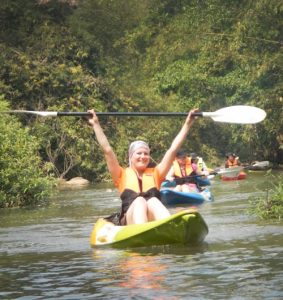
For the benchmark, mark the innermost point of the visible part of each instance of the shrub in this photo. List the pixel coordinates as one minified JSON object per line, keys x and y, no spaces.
{"x":23,"y":181}
{"x":271,"y":206}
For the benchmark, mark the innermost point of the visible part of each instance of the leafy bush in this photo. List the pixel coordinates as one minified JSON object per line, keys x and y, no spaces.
{"x":270,"y":207}
{"x":22,"y":178}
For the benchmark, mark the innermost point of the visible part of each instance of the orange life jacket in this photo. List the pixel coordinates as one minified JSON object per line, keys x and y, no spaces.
{"x":177,"y":168}
{"x":232,"y":164}
{"x":129,"y":180}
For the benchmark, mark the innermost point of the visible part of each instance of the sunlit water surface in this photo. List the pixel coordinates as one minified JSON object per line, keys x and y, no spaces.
{"x":45,"y":252}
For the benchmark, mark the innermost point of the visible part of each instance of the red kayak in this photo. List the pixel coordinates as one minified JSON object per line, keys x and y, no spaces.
{"x":241,"y":175}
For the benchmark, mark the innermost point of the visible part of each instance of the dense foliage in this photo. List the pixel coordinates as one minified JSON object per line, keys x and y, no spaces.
{"x":151,"y":55}
{"x":23,"y":176}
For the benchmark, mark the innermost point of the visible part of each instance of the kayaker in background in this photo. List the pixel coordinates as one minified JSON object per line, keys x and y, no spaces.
{"x":138,"y":184}
{"x":232,"y":160}
{"x":200,"y":164}
{"x":185,"y":167}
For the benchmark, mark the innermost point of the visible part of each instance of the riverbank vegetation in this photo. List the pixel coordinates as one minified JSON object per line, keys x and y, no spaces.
{"x":23,"y":174}
{"x":269,"y":206}
{"x":151,"y":55}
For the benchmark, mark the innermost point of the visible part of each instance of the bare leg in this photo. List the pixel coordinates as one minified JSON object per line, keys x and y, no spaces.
{"x":137,"y":212}
{"x":156,"y":210}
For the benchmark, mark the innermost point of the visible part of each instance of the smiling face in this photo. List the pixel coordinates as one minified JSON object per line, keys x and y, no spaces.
{"x":140,"y":159}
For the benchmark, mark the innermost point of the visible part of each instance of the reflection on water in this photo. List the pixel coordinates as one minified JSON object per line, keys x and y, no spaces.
{"x":136,"y":272}
{"x":45,"y":252}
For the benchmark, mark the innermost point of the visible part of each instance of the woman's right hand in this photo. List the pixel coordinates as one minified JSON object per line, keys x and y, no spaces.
{"x":92,"y":118}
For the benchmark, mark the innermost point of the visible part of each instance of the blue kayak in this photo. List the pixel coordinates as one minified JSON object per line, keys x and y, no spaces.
{"x":171,"y":197}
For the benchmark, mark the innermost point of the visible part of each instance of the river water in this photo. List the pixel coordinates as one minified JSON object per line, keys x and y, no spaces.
{"x":45,"y":251}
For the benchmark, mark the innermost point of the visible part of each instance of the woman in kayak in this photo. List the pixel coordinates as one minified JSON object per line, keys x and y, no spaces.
{"x":232,"y":160}
{"x":138,"y":184}
{"x":185,"y":167}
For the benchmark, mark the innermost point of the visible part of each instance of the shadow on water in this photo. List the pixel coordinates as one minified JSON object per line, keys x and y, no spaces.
{"x":45,"y":252}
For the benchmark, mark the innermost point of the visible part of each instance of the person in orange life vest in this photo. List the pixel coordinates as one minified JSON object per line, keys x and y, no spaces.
{"x":184,"y":166}
{"x":138,"y":184}
{"x":232,"y":160}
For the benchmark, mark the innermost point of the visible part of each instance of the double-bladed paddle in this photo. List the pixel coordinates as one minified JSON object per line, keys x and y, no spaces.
{"x":260,"y":164}
{"x":238,"y":114}
{"x":182,"y":180}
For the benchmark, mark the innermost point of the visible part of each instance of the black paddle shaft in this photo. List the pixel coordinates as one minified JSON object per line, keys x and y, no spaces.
{"x":129,"y":114}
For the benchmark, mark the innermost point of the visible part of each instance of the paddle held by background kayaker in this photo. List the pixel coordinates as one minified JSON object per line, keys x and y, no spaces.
{"x":138,"y":184}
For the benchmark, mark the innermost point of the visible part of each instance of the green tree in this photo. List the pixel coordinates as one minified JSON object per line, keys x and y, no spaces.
{"x":47,"y":70}
{"x":23,"y":176}
{"x":141,"y":56}
{"x":212,"y":54}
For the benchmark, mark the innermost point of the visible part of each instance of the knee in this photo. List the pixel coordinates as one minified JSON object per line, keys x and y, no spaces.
{"x":137,"y":212}
{"x":156,"y":209}
{"x":139,"y":201}
{"x":153,"y":201}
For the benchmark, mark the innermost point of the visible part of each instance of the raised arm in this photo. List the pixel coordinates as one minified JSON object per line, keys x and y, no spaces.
{"x":165,"y":164}
{"x":111,"y":159}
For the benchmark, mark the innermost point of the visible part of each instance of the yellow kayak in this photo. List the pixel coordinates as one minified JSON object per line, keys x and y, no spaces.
{"x":184,"y":227}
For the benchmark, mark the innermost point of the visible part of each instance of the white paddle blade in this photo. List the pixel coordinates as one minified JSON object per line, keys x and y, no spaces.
{"x":238,"y":114}
{"x":38,"y":113}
